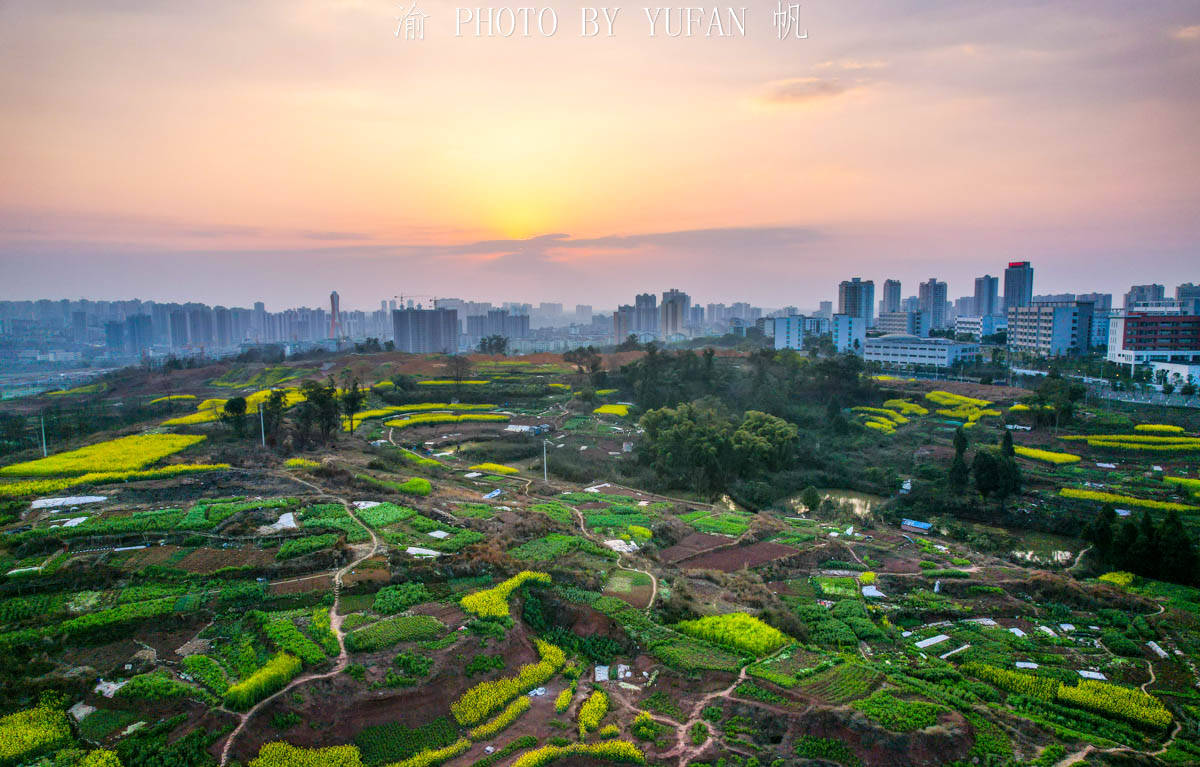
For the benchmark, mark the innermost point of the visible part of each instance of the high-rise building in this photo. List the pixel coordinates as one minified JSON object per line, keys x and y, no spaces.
{"x":335,"y":315}
{"x":891,"y":296}
{"x":1188,"y":296}
{"x":624,"y":322}
{"x":825,"y":309}
{"x":583,"y":314}
{"x":1051,"y":328}
{"x":223,"y":324}
{"x":179,"y":328}
{"x":987,"y":299}
{"x":1139,"y":338}
{"x":139,"y":333}
{"x":114,"y":337}
{"x":856,"y":298}
{"x":849,"y":333}
{"x":645,"y":313}
{"x":673,"y":312}
{"x":1144,"y":294}
{"x":932,"y":295}
{"x":425,"y":331}
{"x":1018,"y":284}
{"x":908,"y":323}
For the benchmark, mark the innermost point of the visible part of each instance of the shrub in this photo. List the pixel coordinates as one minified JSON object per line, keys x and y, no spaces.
{"x":698,"y":733}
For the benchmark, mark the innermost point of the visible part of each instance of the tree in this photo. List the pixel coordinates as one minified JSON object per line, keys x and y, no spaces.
{"x":763,"y":443}
{"x":459,"y":367}
{"x":811,"y":498}
{"x":1177,"y":552}
{"x":688,"y":446}
{"x":1006,"y":444}
{"x":996,"y":475}
{"x":272,"y":414}
{"x":494,"y":344}
{"x":959,"y":474}
{"x":630,"y":344}
{"x":986,"y":468}
{"x":320,"y":407}
{"x":1100,"y":531}
{"x":233,"y":415}
{"x":352,"y":402}
{"x":585,"y":359}
{"x":960,"y":441}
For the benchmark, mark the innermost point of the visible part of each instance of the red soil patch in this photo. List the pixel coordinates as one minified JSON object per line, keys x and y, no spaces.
{"x":211,"y":560}
{"x":316,"y":583}
{"x":691,"y":546}
{"x":732,"y":559}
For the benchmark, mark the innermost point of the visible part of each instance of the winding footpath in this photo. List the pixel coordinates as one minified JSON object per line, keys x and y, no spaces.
{"x":335,"y":624}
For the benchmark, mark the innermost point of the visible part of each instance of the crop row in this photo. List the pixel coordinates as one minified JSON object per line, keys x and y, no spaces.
{"x":502,"y":720}
{"x":737,"y":631}
{"x":480,"y":701}
{"x":389,"y":631}
{"x":264,"y":682}
{"x":493,"y":602}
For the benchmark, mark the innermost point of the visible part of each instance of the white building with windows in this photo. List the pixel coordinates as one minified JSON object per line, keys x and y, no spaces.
{"x":849,"y":333}
{"x":985,"y":325}
{"x":901,"y":349}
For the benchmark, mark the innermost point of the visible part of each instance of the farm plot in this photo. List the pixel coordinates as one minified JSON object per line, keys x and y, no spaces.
{"x":732,"y":559}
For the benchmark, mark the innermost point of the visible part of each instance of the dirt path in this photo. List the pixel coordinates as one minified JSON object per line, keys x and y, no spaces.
{"x":1082,"y":754}
{"x":335,"y":624}
{"x":621,"y":559}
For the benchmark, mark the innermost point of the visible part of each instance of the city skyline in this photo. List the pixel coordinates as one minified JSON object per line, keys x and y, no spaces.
{"x":146,"y":143}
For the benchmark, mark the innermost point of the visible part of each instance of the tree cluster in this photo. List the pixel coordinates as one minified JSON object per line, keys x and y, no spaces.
{"x":1164,"y":551}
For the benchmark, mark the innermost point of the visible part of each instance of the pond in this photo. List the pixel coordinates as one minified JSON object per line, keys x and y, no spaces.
{"x":860,"y":503}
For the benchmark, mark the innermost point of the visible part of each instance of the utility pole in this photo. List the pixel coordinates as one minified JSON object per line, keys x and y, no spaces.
{"x":43,"y":419}
{"x":262,"y":424}
{"x":545,"y":477}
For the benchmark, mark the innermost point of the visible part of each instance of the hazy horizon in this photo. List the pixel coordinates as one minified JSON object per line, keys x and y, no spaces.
{"x":231,"y":152}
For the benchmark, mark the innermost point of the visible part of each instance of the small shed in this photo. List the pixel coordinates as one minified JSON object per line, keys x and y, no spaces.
{"x":916,"y":526}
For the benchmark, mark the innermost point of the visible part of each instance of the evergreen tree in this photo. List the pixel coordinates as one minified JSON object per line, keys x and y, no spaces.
{"x":1100,"y":532}
{"x":959,"y":474}
{"x":1177,"y":552}
{"x":1006,"y":444}
{"x":960,"y":441}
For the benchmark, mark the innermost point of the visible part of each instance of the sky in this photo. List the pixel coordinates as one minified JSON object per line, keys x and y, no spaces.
{"x":230,"y":151}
